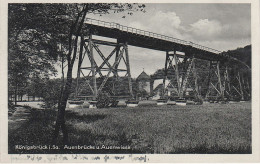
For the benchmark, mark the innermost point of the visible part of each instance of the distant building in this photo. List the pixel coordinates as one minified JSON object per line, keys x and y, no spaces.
{"x":143,"y":82}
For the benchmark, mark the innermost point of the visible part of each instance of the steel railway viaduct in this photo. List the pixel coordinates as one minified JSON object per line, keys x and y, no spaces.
{"x":219,"y":83}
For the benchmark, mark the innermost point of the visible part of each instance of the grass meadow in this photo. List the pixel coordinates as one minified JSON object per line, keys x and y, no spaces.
{"x":207,"y":128}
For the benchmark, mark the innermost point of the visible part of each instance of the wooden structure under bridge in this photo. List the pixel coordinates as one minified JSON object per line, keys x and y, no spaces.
{"x":219,"y":83}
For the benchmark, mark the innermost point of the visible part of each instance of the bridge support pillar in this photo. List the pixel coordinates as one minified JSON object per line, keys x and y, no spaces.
{"x":165,"y":72}
{"x":128,"y":70}
{"x":247,"y":88}
{"x":182,"y":74}
{"x":216,"y":83}
{"x":79,"y":64}
{"x":221,"y":88}
{"x":93,"y":65}
{"x":239,"y":86}
{"x":227,"y":82}
{"x":196,"y":85}
{"x":171,"y":73}
{"x":97,"y":78}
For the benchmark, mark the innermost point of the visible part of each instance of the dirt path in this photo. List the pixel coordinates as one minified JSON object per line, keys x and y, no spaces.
{"x":19,"y":117}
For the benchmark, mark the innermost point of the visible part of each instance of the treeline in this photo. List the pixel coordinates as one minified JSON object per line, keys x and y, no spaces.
{"x":50,"y":89}
{"x":243,"y":54}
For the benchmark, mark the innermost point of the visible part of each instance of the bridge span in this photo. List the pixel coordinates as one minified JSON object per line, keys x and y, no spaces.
{"x":218,"y":84}
{"x":145,"y":39}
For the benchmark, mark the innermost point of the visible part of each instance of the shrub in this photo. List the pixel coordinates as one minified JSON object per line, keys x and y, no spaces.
{"x":113,"y":102}
{"x":103,"y":100}
{"x":51,"y":94}
{"x":11,"y":108}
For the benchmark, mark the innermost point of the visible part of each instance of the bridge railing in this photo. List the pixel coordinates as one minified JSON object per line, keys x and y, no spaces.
{"x":148,"y":34}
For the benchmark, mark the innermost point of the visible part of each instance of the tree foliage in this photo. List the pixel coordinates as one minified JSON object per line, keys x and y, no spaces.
{"x":32,"y":47}
{"x":242,"y":54}
{"x":103,"y":100}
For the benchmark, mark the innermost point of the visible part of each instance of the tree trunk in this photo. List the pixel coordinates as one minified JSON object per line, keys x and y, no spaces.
{"x":60,"y":121}
{"x":15,"y":93}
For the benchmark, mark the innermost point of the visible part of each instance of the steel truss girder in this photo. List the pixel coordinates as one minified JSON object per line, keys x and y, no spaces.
{"x":225,"y":85}
{"x":182,"y":79}
{"x":121,"y":52}
{"x":240,"y":86}
{"x":218,"y":81}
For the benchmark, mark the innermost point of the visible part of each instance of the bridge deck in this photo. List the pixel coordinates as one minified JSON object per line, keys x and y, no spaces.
{"x":150,"y":40}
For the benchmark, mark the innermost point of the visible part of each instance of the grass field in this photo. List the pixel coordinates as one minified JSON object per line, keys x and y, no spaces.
{"x":208,"y":128}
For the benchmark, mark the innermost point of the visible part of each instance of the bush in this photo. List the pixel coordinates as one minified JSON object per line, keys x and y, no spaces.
{"x":113,"y":102}
{"x":51,"y":94}
{"x":198,"y":101}
{"x":11,"y":108}
{"x":103,"y":100}
{"x":50,"y":100}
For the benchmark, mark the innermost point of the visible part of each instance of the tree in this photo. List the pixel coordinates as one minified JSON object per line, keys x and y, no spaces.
{"x":32,"y":47}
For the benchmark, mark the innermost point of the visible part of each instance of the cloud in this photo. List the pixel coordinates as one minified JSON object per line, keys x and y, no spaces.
{"x":166,"y":23}
{"x":171,"y":18}
{"x":213,"y":30}
{"x":206,"y":29}
{"x":236,"y":31}
{"x":138,"y":25}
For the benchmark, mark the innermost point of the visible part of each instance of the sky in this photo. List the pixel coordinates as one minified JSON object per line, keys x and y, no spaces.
{"x":219,"y":26}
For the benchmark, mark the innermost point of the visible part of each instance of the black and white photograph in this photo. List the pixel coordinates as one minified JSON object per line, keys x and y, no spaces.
{"x":131,"y":78}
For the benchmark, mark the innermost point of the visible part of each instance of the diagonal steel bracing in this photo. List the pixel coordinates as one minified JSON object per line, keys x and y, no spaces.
{"x":89,"y":47}
{"x":111,"y":69}
{"x":219,"y":84}
{"x":182,"y":74}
